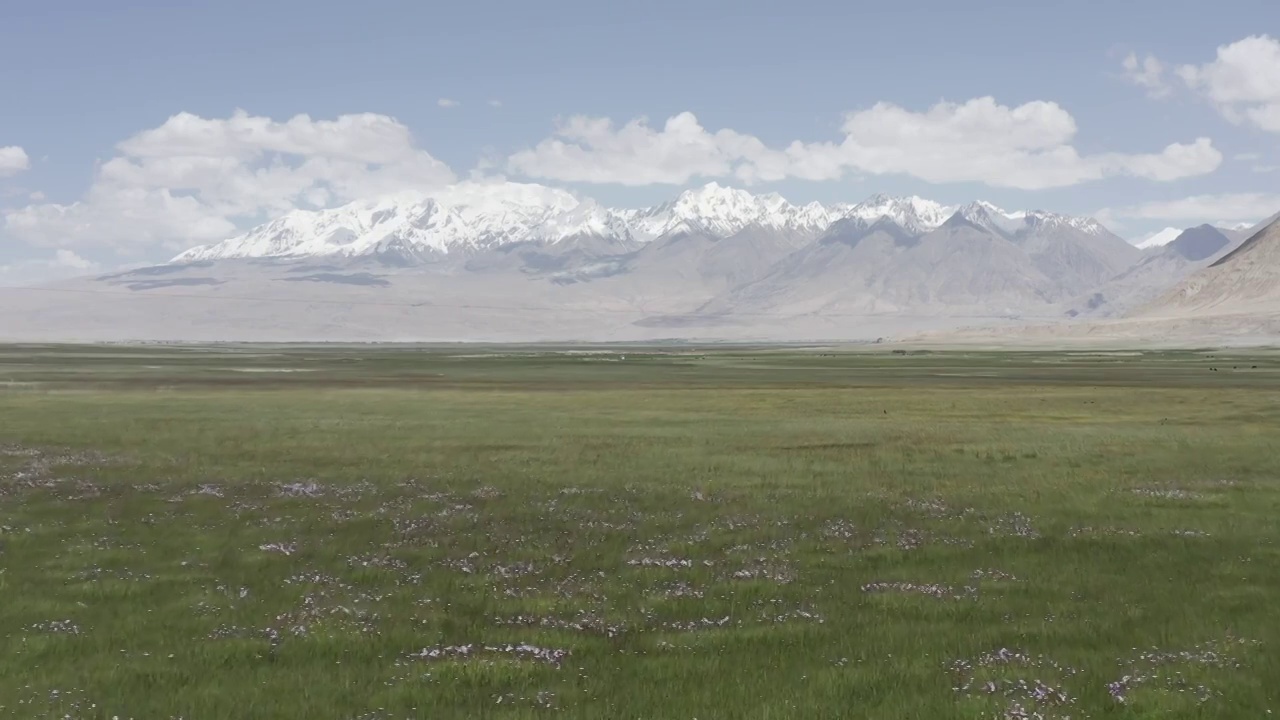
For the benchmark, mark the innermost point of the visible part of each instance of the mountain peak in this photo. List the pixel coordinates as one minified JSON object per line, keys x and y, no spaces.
{"x":1263,"y":245}
{"x":982,"y":208}
{"x":912,"y":213}
{"x":985,"y":206}
{"x":1245,"y":280}
{"x":1198,"y":243}
{"x":1012,"y":223}
{"x":983,"y":214}
{"x":713,"y":194}
{"x":712,"y":209}
{"x":1044,"y":218}
{"x":1158,"y":239}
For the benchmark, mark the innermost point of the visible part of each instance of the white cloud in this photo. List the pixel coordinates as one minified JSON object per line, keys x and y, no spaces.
{"x":1247,"y":157}
{"x":1243,"y":82}
{"x":593,"y":150}
{"x":13,"y":160}
{"x":1147,"y":73}
{"x":62,"y":264}
{"x":495,"y":103}
{"x":36,"y":196}
{"x":1226,"y":208}
{"x":129,"y":220}
{"x":193,"y":179}
{"x":1110,"y":221}
{"x":980,"y":141}
{"x":68,"y":259}
{"x":1023,"y":147}
{"x":447,"y":103}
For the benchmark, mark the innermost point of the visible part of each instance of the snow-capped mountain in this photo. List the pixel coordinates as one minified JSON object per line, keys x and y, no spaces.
{"x":501,"y":261}
{"x":989,"y":217}
{"x":1039,"y":220}
{"x":467,"y":216}
{"x":913,"y":214}
{"x":473,"y":217}
{"x":980,"y":260}
{"x":1244,"y":281}
{"x":1158,"y":239}
{"x":1022,"y":223}
{"x":720,"y":211}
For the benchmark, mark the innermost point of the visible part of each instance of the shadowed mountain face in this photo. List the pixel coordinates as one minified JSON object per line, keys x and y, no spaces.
{"x":1159,"y":269}
{"x":1199,"y":243}
{"x":712,"y":264}
{"x":852,"y":231}
{"x":1259,"y":235}
{"x":1075,"y":258}
{"x":835,"y":274}
{"x":971,"y":265}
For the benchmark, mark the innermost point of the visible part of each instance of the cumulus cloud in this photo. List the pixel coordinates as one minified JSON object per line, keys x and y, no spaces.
{"x":1027,"y":147}
{"x":129,"y":220}
{"x":61,"y":264}
{"x":1224,"y":208}
{"x":447,"y":103}
{"x":1243,"y":81}
{"x":1146,"y":73}
{"x":193,"y":179}
{"x":13,"y":160}
{"x":594,"y":150}
{"x":982,"y":141}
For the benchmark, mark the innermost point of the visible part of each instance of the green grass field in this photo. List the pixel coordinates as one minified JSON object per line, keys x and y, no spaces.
{"x":293,"y":532}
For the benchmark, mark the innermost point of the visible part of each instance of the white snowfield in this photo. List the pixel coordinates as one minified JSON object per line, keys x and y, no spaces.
{"x":1158,"y":239}
{"x":517,"y":262}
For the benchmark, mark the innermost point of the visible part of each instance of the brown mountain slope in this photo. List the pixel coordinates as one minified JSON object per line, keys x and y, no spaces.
{"x":1246,"y":280}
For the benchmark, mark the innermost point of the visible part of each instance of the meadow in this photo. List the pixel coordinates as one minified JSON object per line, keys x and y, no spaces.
{"x":637,"y":532}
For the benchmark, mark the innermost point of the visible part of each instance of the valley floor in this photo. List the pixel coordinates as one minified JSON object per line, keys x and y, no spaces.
{"x":630,"y":532}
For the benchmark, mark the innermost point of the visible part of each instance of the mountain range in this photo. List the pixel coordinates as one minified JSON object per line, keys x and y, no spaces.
{"x":1243,"y":281}
{"x":471,"y":218}
{"x":522,"y":262}
{"x":1232,"y":299}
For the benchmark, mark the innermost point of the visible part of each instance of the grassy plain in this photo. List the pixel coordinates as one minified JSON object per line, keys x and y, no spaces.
{"x":294,"y":532}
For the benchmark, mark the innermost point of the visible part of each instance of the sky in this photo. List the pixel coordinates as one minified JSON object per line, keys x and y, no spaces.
{"x":130,"y":131}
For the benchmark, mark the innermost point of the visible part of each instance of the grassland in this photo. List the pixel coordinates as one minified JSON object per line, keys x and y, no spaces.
{"x":292,"y":532}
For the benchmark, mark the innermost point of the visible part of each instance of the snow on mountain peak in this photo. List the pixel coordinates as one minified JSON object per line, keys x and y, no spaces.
{"x":1010,"y":223}
{"x":472,"y":216}
{"x":980,"y":209}
{"x":989,"y":217}
{"x":911,"y":213}
{"x":466,"y":215}
{"x":714,"y":201}
{"x":1083,"y":224}
{"x":722,"y":211}
{"x":1158,"y":239}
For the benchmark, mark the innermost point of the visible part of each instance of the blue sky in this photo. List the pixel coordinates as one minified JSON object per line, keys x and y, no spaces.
{"x":82,"y":77}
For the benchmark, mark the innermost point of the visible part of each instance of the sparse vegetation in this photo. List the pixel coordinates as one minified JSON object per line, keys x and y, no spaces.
{"x":714,"y":533}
